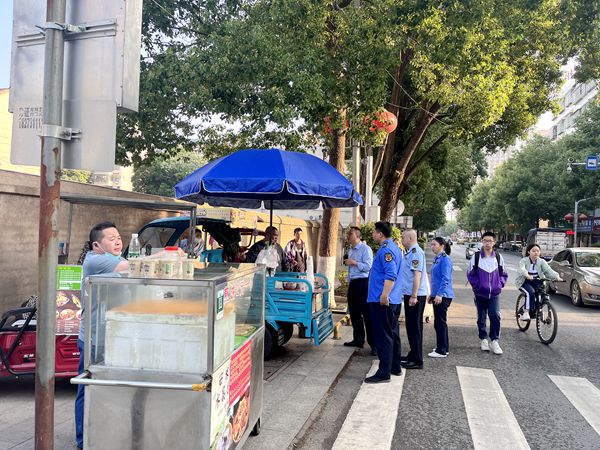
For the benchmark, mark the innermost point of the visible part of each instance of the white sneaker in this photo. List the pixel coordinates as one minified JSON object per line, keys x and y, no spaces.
{"x":435,"y":354}
{"x":496,"y":347}
{"x":525,"y":315}
{"x":434,"y":349}
{"x":485,"y":345}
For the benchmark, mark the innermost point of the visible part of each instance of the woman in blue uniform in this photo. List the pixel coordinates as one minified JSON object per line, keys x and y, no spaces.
{"x":441,"y":294}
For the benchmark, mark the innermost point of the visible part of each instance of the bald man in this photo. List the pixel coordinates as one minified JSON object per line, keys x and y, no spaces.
{"x":415,"y":288}
{"x":271,"y":238}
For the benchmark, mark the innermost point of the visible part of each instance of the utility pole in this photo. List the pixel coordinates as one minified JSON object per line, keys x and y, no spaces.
{"x":48,"y":223}
{"x":355,"y":179}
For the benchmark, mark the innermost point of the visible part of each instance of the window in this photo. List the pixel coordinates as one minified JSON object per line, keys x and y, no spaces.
{"x":156,"y":237}
{"x":560,"y":256}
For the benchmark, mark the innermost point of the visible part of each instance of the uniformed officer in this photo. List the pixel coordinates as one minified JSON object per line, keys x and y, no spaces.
{"x":385,"y":301}
{"x":415,"y":288}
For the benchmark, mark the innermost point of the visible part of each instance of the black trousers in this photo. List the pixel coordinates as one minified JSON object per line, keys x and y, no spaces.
{"x":386,"y":337}
{"x":440,"y":323}
{"x":360,"y":313}
{"x":414,"y":328}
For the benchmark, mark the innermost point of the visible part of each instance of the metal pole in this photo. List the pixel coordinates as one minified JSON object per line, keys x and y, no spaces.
{"x":355,"y":179}
{"x":48,"y":227}
{"x":369,"y":186}
{"x":575,"y":222}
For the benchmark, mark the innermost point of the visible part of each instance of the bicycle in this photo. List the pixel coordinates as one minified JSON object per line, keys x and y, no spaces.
{"x":546,"y":319}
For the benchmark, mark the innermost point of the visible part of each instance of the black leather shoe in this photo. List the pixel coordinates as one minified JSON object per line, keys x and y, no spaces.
{"x":375,"y":379}
{"x":397,"y":373}
{"x":404,"y":360}
{"x":353,"y":344}
{"x":411,"y":365}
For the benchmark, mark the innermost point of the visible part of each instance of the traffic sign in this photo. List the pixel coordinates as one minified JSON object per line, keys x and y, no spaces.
{"x":591,"y":163}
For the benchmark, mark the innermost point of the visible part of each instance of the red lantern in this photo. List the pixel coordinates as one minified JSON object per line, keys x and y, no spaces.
{"x":582,"y":216}
{"x":569,"y":217}
{"x":382,"y":121}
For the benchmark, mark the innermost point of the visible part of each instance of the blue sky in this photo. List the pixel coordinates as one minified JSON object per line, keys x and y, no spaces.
{"x":6,"y":7}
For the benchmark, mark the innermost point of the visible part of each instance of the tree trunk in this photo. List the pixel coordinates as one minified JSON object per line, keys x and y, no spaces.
{"x":392,"y":179}
{"x":328,"y":236}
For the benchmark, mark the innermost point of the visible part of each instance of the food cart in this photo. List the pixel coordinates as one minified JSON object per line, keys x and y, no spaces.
{"x":173,"y":363}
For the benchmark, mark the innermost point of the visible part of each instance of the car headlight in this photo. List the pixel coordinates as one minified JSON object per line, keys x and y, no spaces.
{"x":592,"y":279}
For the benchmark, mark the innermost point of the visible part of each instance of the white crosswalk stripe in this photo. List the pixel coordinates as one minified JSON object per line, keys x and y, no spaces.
{"x":457,"y":268}
{"x":583,"y":395}
{"x":359,"y":429}
{"x":484,"y":399}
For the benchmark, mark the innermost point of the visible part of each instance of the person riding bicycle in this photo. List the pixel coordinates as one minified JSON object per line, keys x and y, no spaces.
{"x":531,"y":268}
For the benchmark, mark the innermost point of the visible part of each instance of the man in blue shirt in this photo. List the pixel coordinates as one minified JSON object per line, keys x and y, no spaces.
{"x":415,"y":288}
{"x":359,"y":262}
{"x":385,"y":301}
{"x":105,"y":257}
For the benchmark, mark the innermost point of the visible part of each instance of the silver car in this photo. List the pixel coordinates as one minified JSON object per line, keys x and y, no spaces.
{"x":580,"y":268}
{"x":471,"y":249}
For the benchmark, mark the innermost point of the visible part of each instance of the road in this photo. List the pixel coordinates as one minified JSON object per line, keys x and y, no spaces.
{"x":526,"y":408}
{"x":471,"y":399}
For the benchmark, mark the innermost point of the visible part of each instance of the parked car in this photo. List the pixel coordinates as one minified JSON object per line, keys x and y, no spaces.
{"x":460,"y":241}
{"x":471,"y":248}
{"x":580,"y":268}
{"x":512,"y":246}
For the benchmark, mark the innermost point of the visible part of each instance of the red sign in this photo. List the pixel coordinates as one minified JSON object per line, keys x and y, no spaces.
{"x":239,"y":378}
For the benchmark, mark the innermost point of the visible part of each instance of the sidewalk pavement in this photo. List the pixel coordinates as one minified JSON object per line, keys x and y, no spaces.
{"x":295,"y":391}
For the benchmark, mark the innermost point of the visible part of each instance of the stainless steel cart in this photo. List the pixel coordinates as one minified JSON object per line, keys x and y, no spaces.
{"x":174,"y":364}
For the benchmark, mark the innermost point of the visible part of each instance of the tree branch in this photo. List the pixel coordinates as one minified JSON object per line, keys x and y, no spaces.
{"x":426,"y":154}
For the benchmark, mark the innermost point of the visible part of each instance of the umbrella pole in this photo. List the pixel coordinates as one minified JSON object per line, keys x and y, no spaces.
{"x":271,"y":212}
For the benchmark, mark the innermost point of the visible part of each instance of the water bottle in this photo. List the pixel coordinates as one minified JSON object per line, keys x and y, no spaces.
{"x":134,"y":247}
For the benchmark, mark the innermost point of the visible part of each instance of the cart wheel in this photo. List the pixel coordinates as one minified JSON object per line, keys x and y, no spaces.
{"x":256,"y":430}
{"x":271,"y":341}
{"x":288,"y":331}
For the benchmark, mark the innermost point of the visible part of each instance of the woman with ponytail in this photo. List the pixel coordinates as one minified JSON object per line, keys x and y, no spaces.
{"x":441,"y":294}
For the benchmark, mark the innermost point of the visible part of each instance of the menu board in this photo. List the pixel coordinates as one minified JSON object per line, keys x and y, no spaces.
{"x":68,"y":299}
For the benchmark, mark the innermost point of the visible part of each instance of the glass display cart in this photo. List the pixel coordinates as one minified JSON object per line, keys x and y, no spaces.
{"x":174,"y":363}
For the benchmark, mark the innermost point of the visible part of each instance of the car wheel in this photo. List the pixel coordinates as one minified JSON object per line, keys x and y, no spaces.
{"x":576,"y":294}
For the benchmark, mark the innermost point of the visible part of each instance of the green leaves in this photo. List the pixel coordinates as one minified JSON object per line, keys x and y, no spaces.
{"x":535,"y":184}
{"x":161,"y":175}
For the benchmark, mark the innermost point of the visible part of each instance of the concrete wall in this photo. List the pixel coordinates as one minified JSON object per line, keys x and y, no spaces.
{"x":19,"y":211}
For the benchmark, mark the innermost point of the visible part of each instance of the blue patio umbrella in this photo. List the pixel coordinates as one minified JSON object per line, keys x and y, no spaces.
{"x":274,"y":178}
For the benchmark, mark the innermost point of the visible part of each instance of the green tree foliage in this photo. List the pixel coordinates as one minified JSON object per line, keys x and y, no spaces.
{"x":367,"y":229}
{"x":535,"y":184}
{"x":481,"y":70}
{"x":80,"y":176}
{"x":159,"y":176}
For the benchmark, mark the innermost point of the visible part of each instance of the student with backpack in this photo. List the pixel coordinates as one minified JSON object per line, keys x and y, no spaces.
{"x":487,"y":277}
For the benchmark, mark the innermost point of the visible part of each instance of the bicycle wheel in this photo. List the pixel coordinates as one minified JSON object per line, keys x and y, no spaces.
{"x":546,"y":322}
{"x":520,"y":308}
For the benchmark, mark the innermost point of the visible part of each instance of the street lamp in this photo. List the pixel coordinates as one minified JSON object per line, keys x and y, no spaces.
{"x":576,"y":218}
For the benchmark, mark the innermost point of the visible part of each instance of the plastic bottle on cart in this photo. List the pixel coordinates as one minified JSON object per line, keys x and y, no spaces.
{"x":135,"y":248}
{"x":173,"y":263}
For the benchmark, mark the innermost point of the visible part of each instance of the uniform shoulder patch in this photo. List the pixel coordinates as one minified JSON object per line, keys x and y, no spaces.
{"x":389,"y":257}
{"x":415,"y":263}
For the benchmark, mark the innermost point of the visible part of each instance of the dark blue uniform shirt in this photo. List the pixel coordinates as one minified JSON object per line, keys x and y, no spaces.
{"x":387,"y":265}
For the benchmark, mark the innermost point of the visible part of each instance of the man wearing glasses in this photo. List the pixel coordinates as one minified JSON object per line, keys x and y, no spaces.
{"x":487,"y":277}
